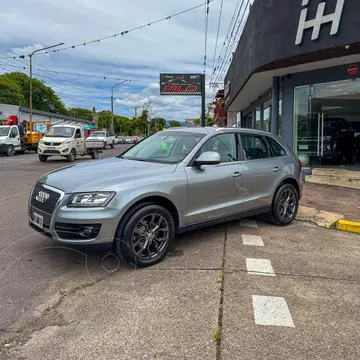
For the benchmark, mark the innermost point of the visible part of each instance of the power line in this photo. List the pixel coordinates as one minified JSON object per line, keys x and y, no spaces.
{"x":217,"y":39}
{"x":207,"y":8}
{"x":122,"y":32}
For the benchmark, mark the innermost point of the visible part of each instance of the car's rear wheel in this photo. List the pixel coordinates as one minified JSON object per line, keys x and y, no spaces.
{"x":43,"y":158}
{"x":105,"y":146}
{"x":285,"y":205}
{"x":145,"y":235}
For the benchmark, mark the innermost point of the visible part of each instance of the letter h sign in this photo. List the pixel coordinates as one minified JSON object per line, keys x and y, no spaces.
{"x":320,"y":19}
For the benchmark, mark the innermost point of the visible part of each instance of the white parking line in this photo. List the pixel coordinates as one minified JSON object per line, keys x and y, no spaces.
{"x":259,"y":267}
{"x":271,"y":310}
{"x":248,"y":223}
{"x":252,"y":240}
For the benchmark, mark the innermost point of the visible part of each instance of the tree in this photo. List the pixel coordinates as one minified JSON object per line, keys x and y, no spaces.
{"x":174,"y":123}
{"x":104,"y":119}
{"x":209,"y":120}
{"x":157,"y":123}
{"x":43,"y":97}
{"x":80,"y":113}
{"x":10,"y":92}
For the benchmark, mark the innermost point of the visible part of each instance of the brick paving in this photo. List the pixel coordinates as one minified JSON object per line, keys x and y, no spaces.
{"x":333,"y":199}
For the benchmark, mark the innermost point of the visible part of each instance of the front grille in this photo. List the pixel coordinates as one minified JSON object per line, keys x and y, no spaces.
{"x":52,"y":144}
{"x":49,"y":205}
{"x":51,"y":152}
{"x":76,"y":231}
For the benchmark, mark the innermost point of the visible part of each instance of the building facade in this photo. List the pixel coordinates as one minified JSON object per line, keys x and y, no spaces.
{"x":295,"y":73}
{"x":23,"y":113}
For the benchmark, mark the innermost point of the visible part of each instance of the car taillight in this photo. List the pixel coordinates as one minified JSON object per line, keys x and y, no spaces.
{"x":300,"y":164}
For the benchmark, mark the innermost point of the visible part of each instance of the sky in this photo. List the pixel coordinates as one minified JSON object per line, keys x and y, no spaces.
{"x":175,"y":45}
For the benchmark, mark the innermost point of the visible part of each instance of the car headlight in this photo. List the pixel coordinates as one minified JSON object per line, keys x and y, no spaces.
{"x":92,"y":199}
{"x":41,"y":142}
{"x":66,"y":142}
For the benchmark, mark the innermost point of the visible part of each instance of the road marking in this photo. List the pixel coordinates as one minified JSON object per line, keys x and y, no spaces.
{"x":271,"y":310}
{"x":252,"y":240}
{"x":248,"y":223}
{"x":259,"y":267}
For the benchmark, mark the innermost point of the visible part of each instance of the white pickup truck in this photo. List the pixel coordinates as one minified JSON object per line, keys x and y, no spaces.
{"x":103,"y":137}
{"x":67,"y":141}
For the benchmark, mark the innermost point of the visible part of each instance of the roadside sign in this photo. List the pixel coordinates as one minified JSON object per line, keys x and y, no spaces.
{"x":180,"y":84}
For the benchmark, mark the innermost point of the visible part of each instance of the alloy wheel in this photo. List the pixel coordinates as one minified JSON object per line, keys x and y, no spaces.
{"x":150,"y":236}
{"x":287,"y":204}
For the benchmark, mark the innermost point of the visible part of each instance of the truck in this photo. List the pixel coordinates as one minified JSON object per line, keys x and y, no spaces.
{"x":18,"y":137}
{"x":102,"y":135}
{"x":68,"y":141}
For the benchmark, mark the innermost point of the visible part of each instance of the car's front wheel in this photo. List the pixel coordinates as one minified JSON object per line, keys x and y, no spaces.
{"x":145,"y":235}
{"x":285,"y":205}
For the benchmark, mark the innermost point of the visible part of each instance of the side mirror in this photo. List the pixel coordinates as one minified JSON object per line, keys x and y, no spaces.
{"x":208,"y":158}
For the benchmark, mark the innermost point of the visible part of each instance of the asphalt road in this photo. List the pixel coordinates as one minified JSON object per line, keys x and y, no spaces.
{"x":275,"y":293}
{"x":32,"y":269}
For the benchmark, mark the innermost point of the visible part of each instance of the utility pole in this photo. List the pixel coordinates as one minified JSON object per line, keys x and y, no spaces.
{"x":112,"y":105}
{"x":203,"y":100}
{"x":135,"y":109}
{"x":31,"y":55}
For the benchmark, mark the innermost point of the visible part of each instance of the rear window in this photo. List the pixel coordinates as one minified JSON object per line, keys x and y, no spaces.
{"x":275,"y":147}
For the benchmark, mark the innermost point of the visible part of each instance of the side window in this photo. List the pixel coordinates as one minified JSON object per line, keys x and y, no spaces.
{"x":254,"y":147}
{"x":225,"y":145}
{"x":14,"y":132}
{"x":77,"y":134}
{"x":276,"y":148}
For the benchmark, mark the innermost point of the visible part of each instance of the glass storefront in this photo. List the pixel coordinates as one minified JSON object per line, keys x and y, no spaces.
{"x":327,"y":122}
{"x":258,"y":118}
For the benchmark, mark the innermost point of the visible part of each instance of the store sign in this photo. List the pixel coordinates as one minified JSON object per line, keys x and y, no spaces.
{"x":353,"y":69}
{"x":320,"y":19}
{"x":180,"y":84}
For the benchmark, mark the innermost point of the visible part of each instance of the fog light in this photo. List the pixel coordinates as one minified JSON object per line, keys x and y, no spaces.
{"x":87,"y":231}
{"x":65,"y":150}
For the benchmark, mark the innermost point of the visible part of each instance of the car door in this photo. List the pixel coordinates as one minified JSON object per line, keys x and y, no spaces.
{"x":79,"y":142}
{"x":214,"y":190}
{"x":262,"y":172}
{"x":14,"y":137}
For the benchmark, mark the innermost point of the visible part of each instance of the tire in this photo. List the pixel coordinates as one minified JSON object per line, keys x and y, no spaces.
{"x":112,"y":145}
{"x":95,"y":154}
{"x":43,"y":158}
{"x":124,"y":241}
{"x":10,"y":151}
{"x":72,"y":156}
{"x":276,"y":215}
{"x":105,"y":146}
{"x":336,"y":158}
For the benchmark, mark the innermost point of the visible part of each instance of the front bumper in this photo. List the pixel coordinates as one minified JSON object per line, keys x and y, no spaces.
{"x":62,"y":150}
{"x":71,"y":225}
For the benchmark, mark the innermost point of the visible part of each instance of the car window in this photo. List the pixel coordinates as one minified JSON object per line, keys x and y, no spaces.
{"x":225,"y":145}
{"x":78,"y":133}
{"x":14,"y":132}
{"x":276,"y":148}
{"x":254,"y":147}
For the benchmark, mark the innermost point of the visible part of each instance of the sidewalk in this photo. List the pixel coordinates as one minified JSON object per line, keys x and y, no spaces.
{"x":333,"y":199}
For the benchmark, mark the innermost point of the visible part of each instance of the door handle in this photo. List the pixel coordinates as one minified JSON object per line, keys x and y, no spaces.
{"x":236,"y":174}
{"x":276,"y":169}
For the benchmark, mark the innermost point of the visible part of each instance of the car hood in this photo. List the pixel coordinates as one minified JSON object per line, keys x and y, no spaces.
{"x":96,"y":175}
{"x":2,"y":138}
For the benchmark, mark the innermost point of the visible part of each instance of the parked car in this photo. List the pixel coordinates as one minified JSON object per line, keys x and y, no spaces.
{"x":104,"y":137}
{"x":171,"y":182}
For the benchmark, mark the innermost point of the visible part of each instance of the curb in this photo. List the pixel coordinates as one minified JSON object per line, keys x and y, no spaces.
{"x":348,"y":226}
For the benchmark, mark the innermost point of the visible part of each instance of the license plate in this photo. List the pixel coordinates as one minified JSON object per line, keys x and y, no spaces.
{"x":51,"y":148}
{"x":38,"y":220}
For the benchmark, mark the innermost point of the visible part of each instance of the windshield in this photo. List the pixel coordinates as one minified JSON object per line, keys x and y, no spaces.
{"x":4,"y":130}
{"x":63,"y":132}
{"x":166,"y":147}
{"x":97,"y":134}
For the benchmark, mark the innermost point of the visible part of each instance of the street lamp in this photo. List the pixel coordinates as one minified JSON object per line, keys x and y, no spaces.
{"x":31,"y":55}
{"x":112,"y":104}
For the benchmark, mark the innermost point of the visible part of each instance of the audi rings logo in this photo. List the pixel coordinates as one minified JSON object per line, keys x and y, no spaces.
{"x":42,"y":197}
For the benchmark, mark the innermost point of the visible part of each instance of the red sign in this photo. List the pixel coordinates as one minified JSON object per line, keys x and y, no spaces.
{"x":353,"y":69}
{"x":181,"y":88}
